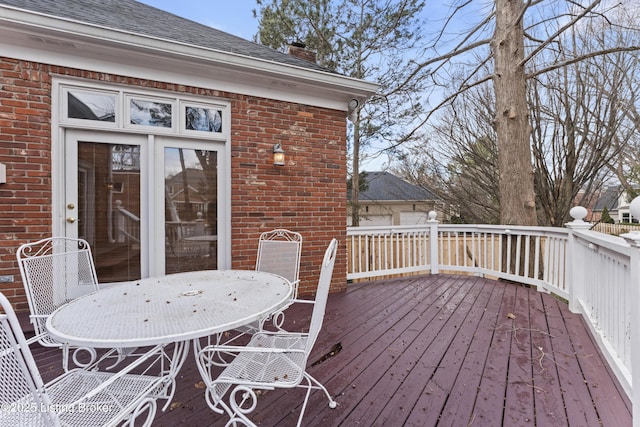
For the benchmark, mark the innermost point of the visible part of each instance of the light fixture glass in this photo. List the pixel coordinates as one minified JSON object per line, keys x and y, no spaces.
{"x":278,"y":155}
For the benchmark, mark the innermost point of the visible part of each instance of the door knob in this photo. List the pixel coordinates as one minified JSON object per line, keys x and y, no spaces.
{"x":71,"y":220}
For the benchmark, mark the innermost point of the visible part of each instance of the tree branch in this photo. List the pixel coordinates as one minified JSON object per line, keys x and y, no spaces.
{"x":560,"y":31}
{"x":582,"y":58}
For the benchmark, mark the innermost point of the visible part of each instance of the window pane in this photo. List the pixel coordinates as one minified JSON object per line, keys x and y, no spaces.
{"x":203,"y":119}
{"x":125,"y":157}
{"x":109,"y":211}
{"x":149,"y":113}
{"x":191,"y":213}
{"x":91,"y":106}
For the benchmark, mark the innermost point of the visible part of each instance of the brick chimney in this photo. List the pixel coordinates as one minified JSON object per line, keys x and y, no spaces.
{"x":299,"y":50}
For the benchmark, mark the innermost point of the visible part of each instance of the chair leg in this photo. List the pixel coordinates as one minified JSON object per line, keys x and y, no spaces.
{"x":332,"y":403}
{"x":314,"y":384}
{"x":147,"y":405}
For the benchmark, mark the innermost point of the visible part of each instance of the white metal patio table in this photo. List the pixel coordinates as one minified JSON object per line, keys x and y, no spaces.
{"x":175,"y":308}
{"x":172,"y":308}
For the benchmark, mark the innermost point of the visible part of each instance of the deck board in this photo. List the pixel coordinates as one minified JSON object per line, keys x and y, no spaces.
{"x":602,"y":389}
{"x":520,"y":387}
{"x":432,"y":351}
{"x":440,"y":363}
{"x":575,"y":391}
{"x":458,"y":410}
{"x":489,"y":404}
{"x":548,"y":400}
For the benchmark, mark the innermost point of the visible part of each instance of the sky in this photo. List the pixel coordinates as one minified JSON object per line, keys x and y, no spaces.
{"x":234,"y":17}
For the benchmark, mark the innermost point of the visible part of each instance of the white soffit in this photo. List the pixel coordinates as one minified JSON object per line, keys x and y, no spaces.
{"x":48,"y":40}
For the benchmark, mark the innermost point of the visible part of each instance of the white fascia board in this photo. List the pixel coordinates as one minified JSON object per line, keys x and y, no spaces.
{"x":41,"y":38}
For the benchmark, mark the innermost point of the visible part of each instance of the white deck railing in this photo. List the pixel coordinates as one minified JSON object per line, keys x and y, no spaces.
{"x":598,"y":274}
{"x":530,"y":255}
{"x":127,"y":225}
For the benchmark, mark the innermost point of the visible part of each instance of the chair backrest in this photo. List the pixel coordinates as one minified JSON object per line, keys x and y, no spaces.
{"x":322,"y":293}
{"x":54,"y":271}
{"x":279,"y":252}
{"x":21,"y":387}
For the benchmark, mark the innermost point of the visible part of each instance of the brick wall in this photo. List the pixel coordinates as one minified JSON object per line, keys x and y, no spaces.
{"x":307,"y":195}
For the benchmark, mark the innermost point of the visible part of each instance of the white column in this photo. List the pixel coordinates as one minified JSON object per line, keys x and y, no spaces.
{"x":433,"y":242}
{"x":575,"y":265}
{"x":633,"y":238}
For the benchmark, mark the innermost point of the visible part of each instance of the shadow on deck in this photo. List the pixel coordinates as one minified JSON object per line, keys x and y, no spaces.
{"x":434,"y":350}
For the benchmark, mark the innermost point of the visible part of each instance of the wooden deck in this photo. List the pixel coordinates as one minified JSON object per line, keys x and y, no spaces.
{"x":434,"y":350}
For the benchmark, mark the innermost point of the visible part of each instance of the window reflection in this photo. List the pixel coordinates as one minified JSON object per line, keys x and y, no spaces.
{"x":91,"y":106}
{"x":149,"y":113}
{"x":191,"y":214}
{"x":203,"y":119}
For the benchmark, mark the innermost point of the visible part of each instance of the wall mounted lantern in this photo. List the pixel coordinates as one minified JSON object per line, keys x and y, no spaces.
{"x":278,"y":155}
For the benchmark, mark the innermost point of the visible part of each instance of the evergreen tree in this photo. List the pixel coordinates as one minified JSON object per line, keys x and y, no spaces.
{"x":363,"y":39}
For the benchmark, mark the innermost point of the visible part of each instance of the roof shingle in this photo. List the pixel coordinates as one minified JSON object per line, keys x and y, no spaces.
{"x":386,"y":186}
{"x":138,"y":18}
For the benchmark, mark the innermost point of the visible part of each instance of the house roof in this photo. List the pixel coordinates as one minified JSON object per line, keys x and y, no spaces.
{"x":128,"y":37}
{"x":138,"y":18}
{"x":193,"y":175}
{"x":609,"y":199}
{"x":388,"y":187}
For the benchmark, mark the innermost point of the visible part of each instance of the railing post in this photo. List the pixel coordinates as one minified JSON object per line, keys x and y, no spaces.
{"x":633,"y":238}
{"x":120,"y":223}
{"x":575,"y":265}
{"x":433,"y":242}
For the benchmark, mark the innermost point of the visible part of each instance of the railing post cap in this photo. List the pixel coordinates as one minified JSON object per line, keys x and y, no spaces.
{"x":578,"y":213}
{"x":632,"y":238}
{"x":432,"y":216}
{"x":634,"y":207}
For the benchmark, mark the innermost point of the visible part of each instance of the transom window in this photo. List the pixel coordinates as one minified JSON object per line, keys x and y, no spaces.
{"x":103,"y":108}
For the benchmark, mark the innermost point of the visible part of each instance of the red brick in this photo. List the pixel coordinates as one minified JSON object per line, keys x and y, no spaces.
{"x":263,"y":196}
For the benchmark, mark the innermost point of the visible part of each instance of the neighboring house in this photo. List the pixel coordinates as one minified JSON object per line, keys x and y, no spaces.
{"x":616,"y":200}
{"x":104,"y":102}
{"x":389,"y":200}
{"x":188,"y":196}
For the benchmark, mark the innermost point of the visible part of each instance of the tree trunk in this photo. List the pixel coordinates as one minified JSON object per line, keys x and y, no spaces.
{"x":517,"y":195}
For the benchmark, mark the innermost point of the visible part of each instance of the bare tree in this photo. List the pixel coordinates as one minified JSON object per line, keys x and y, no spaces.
{"x":459,"y":161}
{"x":620,"y":72}
{"x":582,"y":120}
{"x":502,"y":48}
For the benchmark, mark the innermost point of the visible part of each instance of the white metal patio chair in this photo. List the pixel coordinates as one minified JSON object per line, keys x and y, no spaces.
{"x":279,"y":252}
{"x":79,"y":397}
{"x":55,"y":271}
{"x":270,"y":360}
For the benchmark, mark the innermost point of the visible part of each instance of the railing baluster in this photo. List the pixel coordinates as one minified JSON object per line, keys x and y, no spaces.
{"x":536,"y":268}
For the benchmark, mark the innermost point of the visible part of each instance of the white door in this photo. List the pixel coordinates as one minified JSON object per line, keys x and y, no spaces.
{"x":147,"y":205}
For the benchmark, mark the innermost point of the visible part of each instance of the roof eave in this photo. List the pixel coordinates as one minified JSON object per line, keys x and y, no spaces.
{"x":27,"y":20}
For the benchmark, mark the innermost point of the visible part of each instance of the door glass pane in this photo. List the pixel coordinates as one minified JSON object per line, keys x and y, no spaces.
{"x":191,"y":213}
{"x":109,"y":208}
